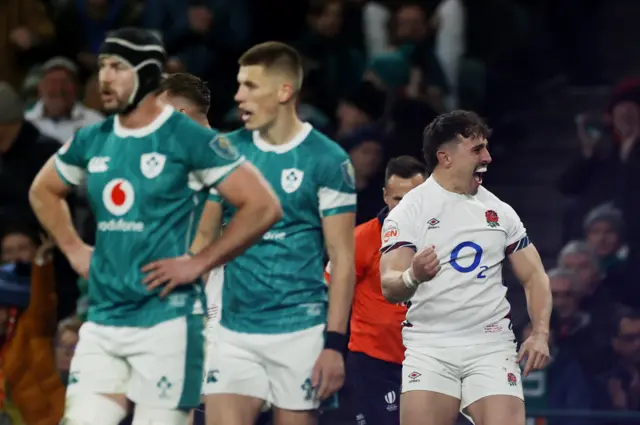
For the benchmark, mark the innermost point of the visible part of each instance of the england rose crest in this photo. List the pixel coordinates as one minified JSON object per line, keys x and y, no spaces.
{"x":512,"y":380}
{"x":492,"y":218}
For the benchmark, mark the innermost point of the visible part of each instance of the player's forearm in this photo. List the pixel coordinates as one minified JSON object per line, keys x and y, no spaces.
{"x":394,"y":289}
{"x":340,"y":294}
{"x":248,"y":225}
{"x":52,"y":211}
{"x":539,"y":302}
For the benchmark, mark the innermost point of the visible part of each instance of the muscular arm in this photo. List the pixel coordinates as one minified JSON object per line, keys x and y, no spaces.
{"x":209,"y":226}
{"x":338,"y":235}
{"x":258,"y":208}
{"x":47,"y":197}
{"x":528,"y":268}
{"x":392,"y":265}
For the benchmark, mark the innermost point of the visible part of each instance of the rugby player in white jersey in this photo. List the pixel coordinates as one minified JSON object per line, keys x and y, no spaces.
{"x":442,"y":252}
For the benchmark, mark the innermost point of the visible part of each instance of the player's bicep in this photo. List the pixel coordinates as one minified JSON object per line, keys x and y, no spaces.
{"x":526,"y":264}
{"x":338,"y":235}
{"x":396,"y":260}
{"x":244,"y":185}
{"x":49,"y":179}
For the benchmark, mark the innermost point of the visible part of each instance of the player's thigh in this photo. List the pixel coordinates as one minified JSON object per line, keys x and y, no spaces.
{"x":232,"y":367}
{"x":491,"y":387}
{"x":98,"y":380}
{"x":232,"y":409}
{"x":431,"y":386}
{"x":94,"y":368}
{"x":289,"y":360}
{"x":428,"y":408}
{"x":372,"y":390}
{"x":167,"y":365}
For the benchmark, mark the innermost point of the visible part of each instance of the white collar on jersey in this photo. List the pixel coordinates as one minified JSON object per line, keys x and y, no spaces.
{"x":285,"y":147}
{"x":123,"y":132}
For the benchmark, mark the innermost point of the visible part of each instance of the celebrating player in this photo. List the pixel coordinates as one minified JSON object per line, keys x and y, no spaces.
{"x":144,"y":343}
{"x":276,"y":342}
{"x":374,"y":362}
{"x":442,"y":249}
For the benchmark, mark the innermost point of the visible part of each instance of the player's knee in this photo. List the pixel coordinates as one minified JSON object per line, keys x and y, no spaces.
{"x":146,"y":415}
{"x":93,"y":409}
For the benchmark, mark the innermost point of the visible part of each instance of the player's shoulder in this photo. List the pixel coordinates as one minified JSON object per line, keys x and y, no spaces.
{"x":97,"y":130}
{"x":241,"y":136}
{"x":187,"y":128}
{"x":325,"y":147}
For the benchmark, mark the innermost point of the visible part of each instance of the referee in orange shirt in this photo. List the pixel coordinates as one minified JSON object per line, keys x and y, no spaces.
{"x":374,"y":362}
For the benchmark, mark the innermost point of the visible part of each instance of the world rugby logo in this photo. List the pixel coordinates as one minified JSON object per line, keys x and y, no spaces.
{"x":118,"y":197}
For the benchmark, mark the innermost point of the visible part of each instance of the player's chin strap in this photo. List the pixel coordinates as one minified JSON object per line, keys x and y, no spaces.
{"x":146,"y":60}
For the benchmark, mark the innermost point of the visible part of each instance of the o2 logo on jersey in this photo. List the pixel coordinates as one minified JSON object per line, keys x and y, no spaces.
{"x":118,"y":196}
{"x":475,"y":264}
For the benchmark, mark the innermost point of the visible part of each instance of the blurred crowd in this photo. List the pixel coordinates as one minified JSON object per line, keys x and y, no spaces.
{"x":376,"y":72}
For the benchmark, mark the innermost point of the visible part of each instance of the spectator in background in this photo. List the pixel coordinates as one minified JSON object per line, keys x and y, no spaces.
{"x":606,"y":167}
{"x":366,"y":151}
{"x":19,"y":241}
{"x":23,"y":151}
{"x":204,"y":38}
{"x":603,"y":228}
{"x":198,"y":34}
{"x":562,"y":385}
{"x":595,"y":298}
{"x":449,"y":44}
{"x":412,"y":35}
{"x":362,"y":107}
{"x":82,"y":25}
{"x":65,"y":342}
{"x":574,"y":327}
{"x":58,"y":113}
{"x":26,"y":35}
{"x":620,"y":387}
{"x":332,"y":66}
{"x":34,"y":391}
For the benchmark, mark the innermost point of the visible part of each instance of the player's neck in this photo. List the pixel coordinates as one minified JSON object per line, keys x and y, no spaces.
{"x":283,"y":129}
{"x":447,"y":182}
{"x":144,"y":114}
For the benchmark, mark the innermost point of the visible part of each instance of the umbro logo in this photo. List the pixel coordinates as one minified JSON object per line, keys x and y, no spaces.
{"x":433,"y":223}
{"x":98,"y":164}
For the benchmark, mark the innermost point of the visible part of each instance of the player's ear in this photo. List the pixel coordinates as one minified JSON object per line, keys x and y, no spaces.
{"x":285,"y":92}
{"x":444,"y":158}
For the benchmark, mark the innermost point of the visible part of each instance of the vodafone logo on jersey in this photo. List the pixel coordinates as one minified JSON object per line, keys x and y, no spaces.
{"x":118,"y":197}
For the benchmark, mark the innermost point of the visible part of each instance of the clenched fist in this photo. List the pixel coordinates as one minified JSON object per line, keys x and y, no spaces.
{"x":425,"y":264}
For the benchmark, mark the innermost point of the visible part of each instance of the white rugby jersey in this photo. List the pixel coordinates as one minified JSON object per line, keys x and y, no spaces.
{"x":465,"y":303}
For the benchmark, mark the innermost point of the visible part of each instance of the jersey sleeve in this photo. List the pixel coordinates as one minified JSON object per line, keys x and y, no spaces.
{"x":211,"y":157}
{"x":71,"y":161}
{"x":214,"y":195}
{"x":400,"y":228}
{"x":337,"y":188}
{"x":516,"y":232}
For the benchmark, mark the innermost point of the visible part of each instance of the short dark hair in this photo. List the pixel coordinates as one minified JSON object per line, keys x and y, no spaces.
{"x":190,"y":87}
{"x":275,"y":55}
{"x":318,"y":7}
{"x":447,"y":128}
{"x":619,"y":316}
{"x":405,"y":167}
{"x":23,"y":226}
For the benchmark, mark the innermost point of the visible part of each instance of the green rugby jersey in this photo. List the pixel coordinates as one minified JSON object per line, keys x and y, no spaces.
{"x":143,"y":189}
{"x":277,"y":285}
